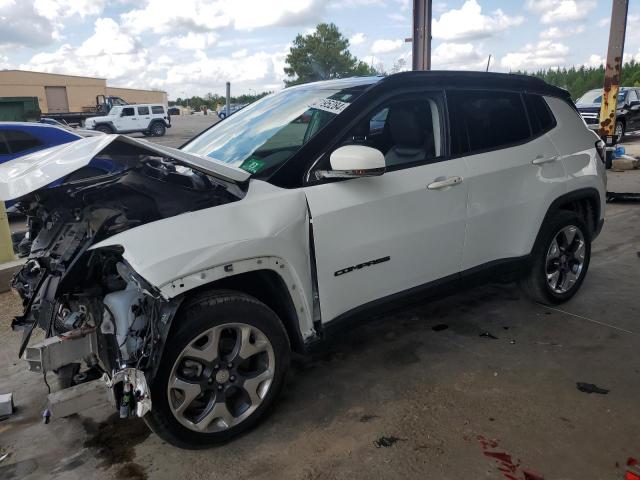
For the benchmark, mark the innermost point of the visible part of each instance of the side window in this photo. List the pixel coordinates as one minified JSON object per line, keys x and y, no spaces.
{"x":157,"y":109}
{"x":632,"y":97}
{"x":407,"y":131}
{"x":540,"y":116}
{"x":143,"y":110}
{"x":128,"y":112}
{"x":4,"y":148}
{"x":488,"y":120}
{"x":20,"y":141}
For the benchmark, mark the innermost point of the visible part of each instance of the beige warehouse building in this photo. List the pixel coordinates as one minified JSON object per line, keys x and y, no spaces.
{"x":68,"y":93}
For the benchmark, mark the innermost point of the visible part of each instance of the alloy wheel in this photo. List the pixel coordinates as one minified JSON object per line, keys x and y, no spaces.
{"x":221,"y":377}
{"x":565,"y":259}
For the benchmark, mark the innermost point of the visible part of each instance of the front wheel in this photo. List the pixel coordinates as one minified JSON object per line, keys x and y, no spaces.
{"x":221,"y":371}
{"x":560,"y":259}
{"x":104,"y":129}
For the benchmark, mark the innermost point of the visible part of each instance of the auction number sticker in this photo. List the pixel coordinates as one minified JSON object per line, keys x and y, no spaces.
{"x":329,"y":105}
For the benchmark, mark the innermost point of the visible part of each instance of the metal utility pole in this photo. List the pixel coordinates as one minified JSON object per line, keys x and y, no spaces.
{"x":228,"y":106}
{"x":422,"y":10}
{"x":613,"y":71}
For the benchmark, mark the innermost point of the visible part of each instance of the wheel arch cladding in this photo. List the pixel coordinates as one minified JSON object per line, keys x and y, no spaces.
{"x":585,"y":202}
{"x":266,"y":286}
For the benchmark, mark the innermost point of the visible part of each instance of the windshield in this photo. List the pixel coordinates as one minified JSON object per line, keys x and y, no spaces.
{"x":594,"y":97}
{"x":262,"y":136}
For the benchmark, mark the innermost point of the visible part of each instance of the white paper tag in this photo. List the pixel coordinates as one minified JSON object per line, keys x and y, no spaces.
{"x":329,"y":105}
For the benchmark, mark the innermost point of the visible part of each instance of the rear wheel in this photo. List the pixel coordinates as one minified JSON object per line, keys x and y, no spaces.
{"x":158,"y":129}
{"x":560,"y":260}
{"x":221,"y":371}
{"x":620,"y":131}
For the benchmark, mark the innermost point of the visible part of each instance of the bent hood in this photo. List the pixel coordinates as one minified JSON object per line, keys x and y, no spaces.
{"x":31,"y":172}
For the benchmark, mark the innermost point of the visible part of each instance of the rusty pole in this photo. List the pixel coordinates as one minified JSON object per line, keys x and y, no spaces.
{"x":422,"y":34}
{"x":613,"y":71}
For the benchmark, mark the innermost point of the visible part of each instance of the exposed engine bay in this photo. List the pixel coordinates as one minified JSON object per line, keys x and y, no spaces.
{"x":92,"y":297}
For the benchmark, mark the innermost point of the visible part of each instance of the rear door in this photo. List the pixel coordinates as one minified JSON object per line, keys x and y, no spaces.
{"x":378,"y":236}
{"x":144,"y":117}
{"x":513,"y":171}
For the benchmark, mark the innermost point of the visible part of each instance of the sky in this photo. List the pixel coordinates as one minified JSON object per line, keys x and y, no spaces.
{"x":192,"y":47}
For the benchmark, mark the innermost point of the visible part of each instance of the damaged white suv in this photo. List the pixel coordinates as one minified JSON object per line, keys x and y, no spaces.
{"x":184,"y":281}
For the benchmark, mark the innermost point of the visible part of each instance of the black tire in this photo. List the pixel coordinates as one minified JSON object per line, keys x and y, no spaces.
{"x":535,"y":283}
{"x":621,"y":127}
{"x":157,"y":129}
{"x":104,"y":129}
{"x":222,"y":115}
{"x":202,"y":313}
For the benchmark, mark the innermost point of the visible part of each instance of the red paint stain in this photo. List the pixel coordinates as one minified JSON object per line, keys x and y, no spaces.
{"x":506,"y":465}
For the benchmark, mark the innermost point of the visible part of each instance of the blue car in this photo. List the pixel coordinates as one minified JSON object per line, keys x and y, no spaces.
{"x":21,"y":138}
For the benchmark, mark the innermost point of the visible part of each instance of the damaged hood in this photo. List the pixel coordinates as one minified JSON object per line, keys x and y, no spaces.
{"x":31,"y":172}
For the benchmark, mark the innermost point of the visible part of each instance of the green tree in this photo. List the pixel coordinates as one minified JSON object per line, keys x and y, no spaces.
{"x":321,"y":55}
{"x":579,"y":80}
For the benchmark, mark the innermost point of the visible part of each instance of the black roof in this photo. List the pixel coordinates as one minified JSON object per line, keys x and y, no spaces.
{"x":466,"y":79}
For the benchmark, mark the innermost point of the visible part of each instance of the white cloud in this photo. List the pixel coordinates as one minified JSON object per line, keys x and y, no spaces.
{"x":240,"y":53}
{"x":469,"y":22}
{"x":191,"y":41}
{"x":357,"y":38}
{"x":22,"y":26}
{"x":164,"y":16}
{"x":463,"y":56}
{"x":56,"y":9}
{"x":554,"y":11}
{"x":556,"y":32}
{"x":594,"y":61}
{"x":386,"y":46}
{"x":533,"y":56}
{"x":107,"y":39}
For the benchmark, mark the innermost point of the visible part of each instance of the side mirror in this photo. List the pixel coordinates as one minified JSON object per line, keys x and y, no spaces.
{"x":353,"y":161}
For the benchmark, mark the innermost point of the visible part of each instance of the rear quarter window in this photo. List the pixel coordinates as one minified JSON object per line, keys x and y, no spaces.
{"x":158,"y":109}
{"x":20,"y":141}
{"x":4,"y":148}
{"x":540,"y":115}
{"x":487,"y":120}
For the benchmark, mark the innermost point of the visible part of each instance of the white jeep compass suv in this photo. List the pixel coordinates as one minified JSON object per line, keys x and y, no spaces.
{"x":150,"y":119}
{"x":186,"y":278}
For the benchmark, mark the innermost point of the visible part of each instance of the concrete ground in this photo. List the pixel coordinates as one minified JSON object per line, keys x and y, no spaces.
{"x":183,"y":128}
{"x":481,"y":384}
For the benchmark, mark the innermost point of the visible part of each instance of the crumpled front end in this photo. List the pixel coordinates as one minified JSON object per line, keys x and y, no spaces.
{"x":104,"y":324}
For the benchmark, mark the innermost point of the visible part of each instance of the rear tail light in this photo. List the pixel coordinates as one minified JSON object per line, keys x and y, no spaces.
{"x":601,"y":148}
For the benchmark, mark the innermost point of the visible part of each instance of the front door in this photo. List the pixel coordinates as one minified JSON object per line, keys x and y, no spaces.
{"x":128,"y":120}
{"x":378,"y":236}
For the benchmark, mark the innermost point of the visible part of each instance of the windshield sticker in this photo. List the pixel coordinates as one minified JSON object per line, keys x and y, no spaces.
{"x":329,"y":105}
{"x":252,"y":165}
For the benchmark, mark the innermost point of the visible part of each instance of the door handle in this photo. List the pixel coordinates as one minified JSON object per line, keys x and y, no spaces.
{"x":541,"y":160}
{"x":448,"y":182}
